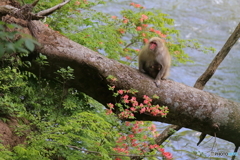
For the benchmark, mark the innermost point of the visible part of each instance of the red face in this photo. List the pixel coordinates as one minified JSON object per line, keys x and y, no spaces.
{"x":152,"y":45}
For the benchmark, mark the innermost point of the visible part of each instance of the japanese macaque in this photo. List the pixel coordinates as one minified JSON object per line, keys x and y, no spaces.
{"x":154,"y":60}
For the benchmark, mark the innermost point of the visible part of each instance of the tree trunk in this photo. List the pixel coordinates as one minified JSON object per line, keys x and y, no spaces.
{"x":188,"y":107}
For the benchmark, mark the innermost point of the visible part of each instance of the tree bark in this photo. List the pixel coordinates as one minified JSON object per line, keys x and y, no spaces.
{"x":188,"y":107}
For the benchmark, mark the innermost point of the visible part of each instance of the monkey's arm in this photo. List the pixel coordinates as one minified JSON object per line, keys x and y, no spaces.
{"x":140,"y":67}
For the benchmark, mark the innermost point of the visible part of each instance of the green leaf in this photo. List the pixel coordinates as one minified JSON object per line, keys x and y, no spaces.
{"x":10,"y":48}
{"x":2,"y":50}
{"x":29,"y":45}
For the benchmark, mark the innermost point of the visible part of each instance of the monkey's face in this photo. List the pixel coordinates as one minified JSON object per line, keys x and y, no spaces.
{"x":155,"y":43}
{"x":152,"y":45}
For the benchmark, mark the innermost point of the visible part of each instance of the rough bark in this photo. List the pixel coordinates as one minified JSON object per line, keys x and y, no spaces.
{"x":204,"y":78}
{"x":189,"y":107}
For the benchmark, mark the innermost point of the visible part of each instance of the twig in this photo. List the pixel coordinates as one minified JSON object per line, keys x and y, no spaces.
{"x":53,"y":9}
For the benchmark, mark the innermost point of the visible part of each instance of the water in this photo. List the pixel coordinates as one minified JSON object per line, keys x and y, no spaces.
{"x":210,"y":22}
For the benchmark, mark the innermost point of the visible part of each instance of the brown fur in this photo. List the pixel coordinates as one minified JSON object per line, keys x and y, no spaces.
{"x":155,"y":61}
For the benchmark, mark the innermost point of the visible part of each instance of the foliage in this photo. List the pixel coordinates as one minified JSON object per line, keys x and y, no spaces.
{"x":128,"y":104}
{"x":68,"y":127}
{"x":10,"y":41}
{"x":60,"y":128}
{"x":138,"y":140}
{"x":120,"y":37}
{"x":67,"y":124}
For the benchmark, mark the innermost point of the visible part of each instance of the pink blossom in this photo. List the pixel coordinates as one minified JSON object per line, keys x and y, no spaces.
{"x":120,"y":91}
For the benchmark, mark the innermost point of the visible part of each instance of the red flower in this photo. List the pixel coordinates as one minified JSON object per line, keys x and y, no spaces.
{"x":109,"y":111}
{"x":143,"y":110}
{"x":110,"y":105}
{"x":157,"y":31}
{"x":146,"y":101}
{"x":133,"y":109}
{"x":132,"y":4}
{"x":135,"y":103}
{"x":145,"y":40}
{"x":131,"y":136}
{"x":125,"y":97}
{"x":125,"y":21}
{"x":168,"y":155}
{"x":128,"y":57}
{"x":151,"y":29}
{"x":161,"y":150}
{"x":114,"y":17}
{"x":139,"y":28}
{"x":77,"y":3}
{"x":133,"y":99}
{"x":127,"y":123}
{"x":143,"y":17}
{"x":137,"y":5}
{"x":121,"y":30}
{"x":120,"y":91}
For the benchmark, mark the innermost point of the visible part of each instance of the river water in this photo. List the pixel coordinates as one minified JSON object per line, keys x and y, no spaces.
{"x":211,"y":22}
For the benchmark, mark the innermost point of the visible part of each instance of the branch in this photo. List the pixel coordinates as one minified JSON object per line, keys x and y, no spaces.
{"x":51,"y":10}
{"x":7,"y":9}
{"x":35,"y":3}
{"x":167,"y":133}
{"x":202,"y":80}
{"x":189,"y":107}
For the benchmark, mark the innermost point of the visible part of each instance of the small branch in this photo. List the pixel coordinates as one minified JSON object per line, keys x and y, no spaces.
{"x":203,"y":79}
{"x":201,"y":138}
{"x":51,"y":10}
{"x":235,"y":152}
{"x":129,"y":45}
{"x":167,"y":133}
{"x":35,"y":3}
{"x":7,"y":9}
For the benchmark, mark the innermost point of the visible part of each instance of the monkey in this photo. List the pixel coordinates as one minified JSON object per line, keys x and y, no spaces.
{"x":154,"y":60}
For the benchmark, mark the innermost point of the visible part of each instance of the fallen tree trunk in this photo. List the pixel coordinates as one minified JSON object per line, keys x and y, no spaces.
{"x":189,"y":107}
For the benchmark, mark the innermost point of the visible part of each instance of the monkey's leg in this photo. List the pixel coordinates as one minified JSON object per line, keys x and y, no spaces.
{"x":160,"y":76}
